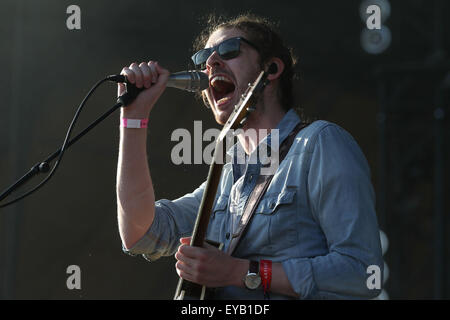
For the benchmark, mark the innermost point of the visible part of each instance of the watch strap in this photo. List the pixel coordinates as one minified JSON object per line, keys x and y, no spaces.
{"x":254,"y":267}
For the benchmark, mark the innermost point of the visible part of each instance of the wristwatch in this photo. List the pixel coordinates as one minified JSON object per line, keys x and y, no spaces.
{"x":253,"y":280}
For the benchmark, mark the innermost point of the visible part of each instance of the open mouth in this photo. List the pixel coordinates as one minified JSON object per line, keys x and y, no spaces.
{"x":222,"y":89}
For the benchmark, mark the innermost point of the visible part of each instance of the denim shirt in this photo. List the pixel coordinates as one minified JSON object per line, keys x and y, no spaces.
{"x":317,"y":217}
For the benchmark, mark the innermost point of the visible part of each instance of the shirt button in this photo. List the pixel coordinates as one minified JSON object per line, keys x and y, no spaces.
{"x":250,"y":178}
{"x":227,"y":235}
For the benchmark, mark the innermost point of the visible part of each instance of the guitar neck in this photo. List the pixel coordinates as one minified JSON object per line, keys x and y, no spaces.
{"x":212,"y":183}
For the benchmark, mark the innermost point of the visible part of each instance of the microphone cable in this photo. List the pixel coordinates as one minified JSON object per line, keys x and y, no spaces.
{"x":43,"y":166}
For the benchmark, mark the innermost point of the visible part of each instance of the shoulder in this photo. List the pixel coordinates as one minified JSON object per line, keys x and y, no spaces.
{"x":319,"y":132}
{"x":331,"y":146}
{"x":327,"y":140}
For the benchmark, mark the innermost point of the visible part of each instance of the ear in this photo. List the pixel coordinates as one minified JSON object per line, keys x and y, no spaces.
{"x":280,"y":68}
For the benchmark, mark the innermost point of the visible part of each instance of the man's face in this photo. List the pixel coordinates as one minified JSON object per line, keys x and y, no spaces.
{"x":228,"y":79}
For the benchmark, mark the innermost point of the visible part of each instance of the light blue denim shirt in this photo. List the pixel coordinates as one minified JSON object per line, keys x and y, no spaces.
{"x":317,"y":216}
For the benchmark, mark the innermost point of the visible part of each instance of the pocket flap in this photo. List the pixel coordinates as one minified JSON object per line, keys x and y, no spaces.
{"x":221,"y":203}
{"x":270,"y":203}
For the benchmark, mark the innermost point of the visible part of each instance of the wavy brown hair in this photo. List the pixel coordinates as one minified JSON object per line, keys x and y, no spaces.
{"x":263,"y":33}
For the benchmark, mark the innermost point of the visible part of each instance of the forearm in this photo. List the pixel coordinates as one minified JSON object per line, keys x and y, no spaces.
{"x":135,"y":195}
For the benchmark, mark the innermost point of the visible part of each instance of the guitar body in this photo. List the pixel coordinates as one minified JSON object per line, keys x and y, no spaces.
{"x":187,"y":290}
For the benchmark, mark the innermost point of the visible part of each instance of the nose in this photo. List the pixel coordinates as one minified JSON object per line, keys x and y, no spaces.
{"x":214,"y":61}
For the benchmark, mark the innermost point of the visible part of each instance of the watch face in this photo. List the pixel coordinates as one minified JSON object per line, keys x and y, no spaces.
{"x":252,"y":281}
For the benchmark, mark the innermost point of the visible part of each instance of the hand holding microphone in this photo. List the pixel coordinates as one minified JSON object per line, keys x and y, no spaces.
{"x":153,"y":77}
{"x":150,"y":77}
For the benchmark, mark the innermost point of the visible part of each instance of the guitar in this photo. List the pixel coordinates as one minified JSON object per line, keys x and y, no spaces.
{"x":187,"y":290}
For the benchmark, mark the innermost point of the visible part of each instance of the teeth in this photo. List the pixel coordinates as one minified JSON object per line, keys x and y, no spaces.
{"x":220,"y":78}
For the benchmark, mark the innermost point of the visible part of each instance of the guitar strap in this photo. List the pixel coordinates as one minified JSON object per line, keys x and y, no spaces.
{"x":261,"y":186}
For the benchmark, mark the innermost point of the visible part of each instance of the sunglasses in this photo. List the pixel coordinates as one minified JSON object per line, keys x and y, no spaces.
{"x":227,"y":49}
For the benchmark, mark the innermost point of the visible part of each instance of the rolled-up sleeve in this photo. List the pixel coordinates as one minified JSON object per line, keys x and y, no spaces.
{"x":341,"y":200}
{"x":173,"y":220}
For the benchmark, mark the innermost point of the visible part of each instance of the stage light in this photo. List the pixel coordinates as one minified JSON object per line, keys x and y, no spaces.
{"x":376,"y":41}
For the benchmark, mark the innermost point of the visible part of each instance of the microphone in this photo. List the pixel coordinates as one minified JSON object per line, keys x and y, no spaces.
{"x":185,"y":80}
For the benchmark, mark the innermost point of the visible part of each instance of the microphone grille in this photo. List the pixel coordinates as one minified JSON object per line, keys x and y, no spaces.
{"x":202,"y":80}
{"x":191,"y":80}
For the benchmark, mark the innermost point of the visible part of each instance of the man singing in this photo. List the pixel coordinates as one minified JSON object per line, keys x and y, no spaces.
{"x":315,"y":228}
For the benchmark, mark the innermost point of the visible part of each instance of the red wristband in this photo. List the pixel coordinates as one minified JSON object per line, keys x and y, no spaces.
{"x":265,"y":270}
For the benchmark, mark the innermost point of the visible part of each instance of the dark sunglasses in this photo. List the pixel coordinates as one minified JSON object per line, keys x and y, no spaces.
{"x":227,"y":49}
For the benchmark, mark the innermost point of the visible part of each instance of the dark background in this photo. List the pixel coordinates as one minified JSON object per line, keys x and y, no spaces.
{"x":388,"y":102}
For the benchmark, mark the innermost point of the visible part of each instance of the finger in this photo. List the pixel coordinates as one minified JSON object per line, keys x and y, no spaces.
{"x":163,"y":74}
{"x":183,"y":271}
{"x":196,"y":253}
{"x":186,"y":240}
{"x":189,"y":273}
{"x":137,"y":74}
{"x":181,"y":266}
{"x":147,"y":75}
{"x":129,"y":74}
{"x":185,"y":264}
{"x":188,"y":261}
{"x":151,"y":65}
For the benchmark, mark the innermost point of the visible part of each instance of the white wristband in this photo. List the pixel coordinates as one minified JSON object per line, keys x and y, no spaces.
{"x":133,"y":123}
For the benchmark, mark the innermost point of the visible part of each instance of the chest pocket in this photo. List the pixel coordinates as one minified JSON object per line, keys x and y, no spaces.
{"x":276,"y":220}
{"x":271,"y":202}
